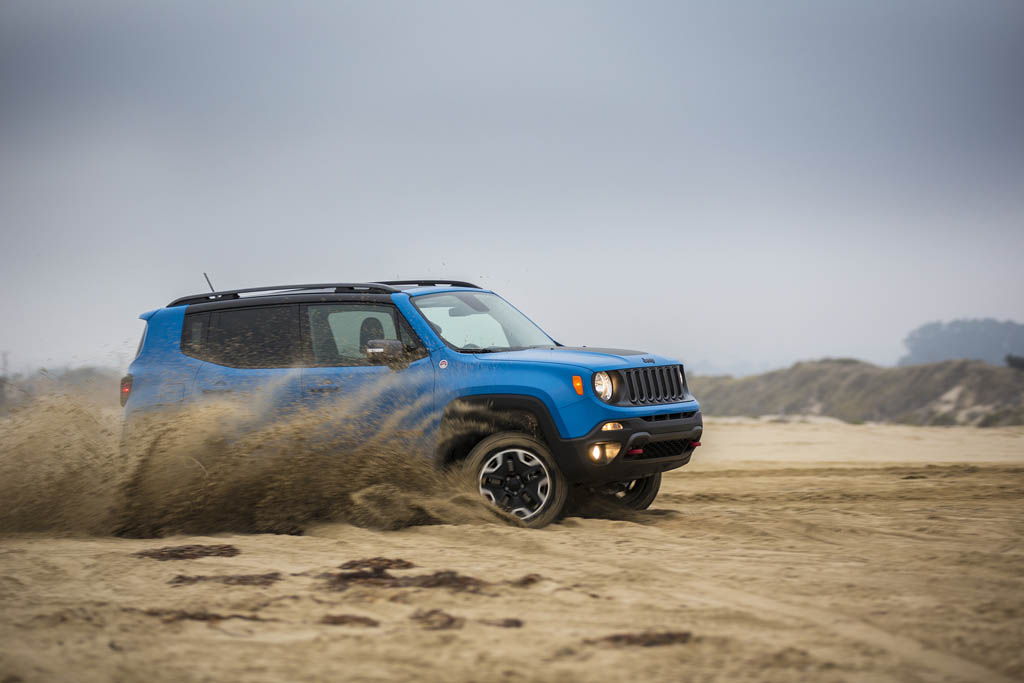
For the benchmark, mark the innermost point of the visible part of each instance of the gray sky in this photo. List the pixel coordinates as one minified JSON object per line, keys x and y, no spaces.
{"x":739,"y":184}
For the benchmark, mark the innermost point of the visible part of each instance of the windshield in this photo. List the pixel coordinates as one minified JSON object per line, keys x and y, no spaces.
{"x":479,"y":322}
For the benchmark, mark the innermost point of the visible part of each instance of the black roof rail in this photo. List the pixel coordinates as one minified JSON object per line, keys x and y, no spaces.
{"x":430,"y":283}
{"x":338,"y":287}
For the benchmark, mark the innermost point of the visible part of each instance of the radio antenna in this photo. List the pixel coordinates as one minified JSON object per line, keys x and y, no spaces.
{"x":208,"y":282}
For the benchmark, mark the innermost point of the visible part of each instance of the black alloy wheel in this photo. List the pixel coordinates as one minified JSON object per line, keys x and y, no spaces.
{"x":637,"y":494}
{"x":517,"y":473}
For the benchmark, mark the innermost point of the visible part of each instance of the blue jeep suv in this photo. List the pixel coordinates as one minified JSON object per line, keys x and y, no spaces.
{"x":535,"y":421}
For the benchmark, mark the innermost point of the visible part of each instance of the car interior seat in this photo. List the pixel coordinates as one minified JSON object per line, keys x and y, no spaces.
{"x":370,"y":329}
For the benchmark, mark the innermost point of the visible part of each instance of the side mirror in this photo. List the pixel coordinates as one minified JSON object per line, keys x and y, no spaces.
{"x":390,"y":352}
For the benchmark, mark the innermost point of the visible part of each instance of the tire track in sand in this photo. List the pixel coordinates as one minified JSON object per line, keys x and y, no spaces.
{"x":905,"y":649}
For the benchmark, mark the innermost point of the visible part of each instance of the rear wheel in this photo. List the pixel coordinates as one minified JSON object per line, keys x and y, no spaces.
{"x":637,"y":494}
{"x":517,"y":473}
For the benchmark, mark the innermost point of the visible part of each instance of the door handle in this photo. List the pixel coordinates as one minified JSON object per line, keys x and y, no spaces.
{"x":324,"y":387}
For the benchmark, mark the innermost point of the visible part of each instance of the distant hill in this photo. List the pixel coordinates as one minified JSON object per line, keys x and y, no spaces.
{"x":986,"y":339}
{"x":952,"y":392}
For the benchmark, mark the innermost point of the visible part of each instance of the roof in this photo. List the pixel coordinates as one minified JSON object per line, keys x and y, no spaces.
{"x":384,"y":287}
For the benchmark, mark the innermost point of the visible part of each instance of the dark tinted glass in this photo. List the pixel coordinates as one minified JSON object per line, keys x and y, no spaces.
{"x":142,"y":340}
{"x":193,"y":332}
{"x":266,"y":337}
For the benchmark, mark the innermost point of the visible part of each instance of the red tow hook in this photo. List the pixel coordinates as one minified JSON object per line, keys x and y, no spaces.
{"x":695,"y":443}
{"x":635,"y":451}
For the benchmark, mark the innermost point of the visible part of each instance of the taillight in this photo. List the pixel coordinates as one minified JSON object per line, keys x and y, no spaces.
{"x":126,"y":388}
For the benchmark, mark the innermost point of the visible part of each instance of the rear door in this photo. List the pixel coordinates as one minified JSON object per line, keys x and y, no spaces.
{"x":343,"y":378}
{"x":251,"y":355}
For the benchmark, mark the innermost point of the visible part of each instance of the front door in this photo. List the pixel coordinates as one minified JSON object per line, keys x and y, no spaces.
{"x":349,"y":387}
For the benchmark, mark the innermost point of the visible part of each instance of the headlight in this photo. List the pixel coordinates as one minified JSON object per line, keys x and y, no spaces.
{"x":603,"y":386}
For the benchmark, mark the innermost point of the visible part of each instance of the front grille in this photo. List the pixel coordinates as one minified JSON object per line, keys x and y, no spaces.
{"x":651,"y":386}
{"x":668,"y":416}
{"x":662,"y":449}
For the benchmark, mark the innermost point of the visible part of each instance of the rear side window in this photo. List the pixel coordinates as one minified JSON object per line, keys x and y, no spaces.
{"x":142,"y":340}
{"x":264,"y":337}
{"x":339,"y":333}
{"x":193,"y":333}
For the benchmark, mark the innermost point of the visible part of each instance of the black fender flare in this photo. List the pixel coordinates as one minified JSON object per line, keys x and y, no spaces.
{"x":466,"y":420}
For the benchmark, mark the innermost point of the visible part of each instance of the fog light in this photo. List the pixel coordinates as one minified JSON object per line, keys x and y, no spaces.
{"x":604,"y":453}
{"x":611,"y":426}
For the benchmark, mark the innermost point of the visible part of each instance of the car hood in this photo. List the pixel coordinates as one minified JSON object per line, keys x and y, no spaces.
{"x":583,"y":356}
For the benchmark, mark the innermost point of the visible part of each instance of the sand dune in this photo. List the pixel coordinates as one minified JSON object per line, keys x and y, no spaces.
{"x":952,"y":392}
{"x":784,"y":552}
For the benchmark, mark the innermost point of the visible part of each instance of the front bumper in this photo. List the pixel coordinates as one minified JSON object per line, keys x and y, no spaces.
{"x":667,"y":444}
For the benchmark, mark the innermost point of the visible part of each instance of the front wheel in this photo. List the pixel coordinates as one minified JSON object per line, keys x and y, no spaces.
{"x":517,"y":473}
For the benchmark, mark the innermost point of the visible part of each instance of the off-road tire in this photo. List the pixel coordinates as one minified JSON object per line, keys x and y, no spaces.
{"x":516,"y":484}
{"x":637,"y":494}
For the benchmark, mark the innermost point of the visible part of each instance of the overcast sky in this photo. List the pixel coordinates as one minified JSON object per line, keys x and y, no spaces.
{"x":739,"y":184}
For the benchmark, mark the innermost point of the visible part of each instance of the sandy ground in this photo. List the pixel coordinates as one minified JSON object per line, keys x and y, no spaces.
{"x":784,"y":552}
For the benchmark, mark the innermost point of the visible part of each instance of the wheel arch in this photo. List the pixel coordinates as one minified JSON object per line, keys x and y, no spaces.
{"x":468,"y":420}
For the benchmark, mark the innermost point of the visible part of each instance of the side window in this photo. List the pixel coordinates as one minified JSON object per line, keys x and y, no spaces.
{"x":142,"y":340}
{"x":193,"y":334}
{"x":265,"y":337}
{"x":412,"y":343}
{"x":339,"y":333}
